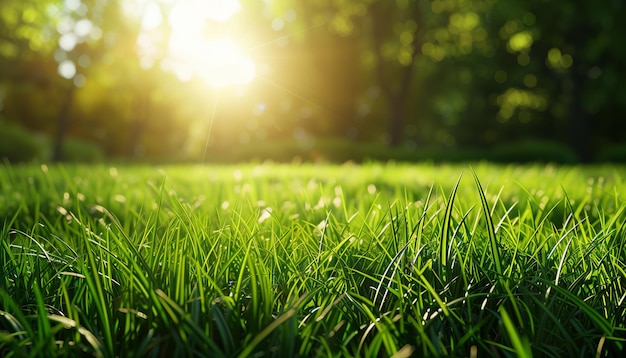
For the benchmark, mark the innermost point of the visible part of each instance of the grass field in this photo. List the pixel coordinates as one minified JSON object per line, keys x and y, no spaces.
{"x":312,"y":260}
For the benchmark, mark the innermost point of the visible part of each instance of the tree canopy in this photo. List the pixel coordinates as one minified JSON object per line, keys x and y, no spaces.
{"x":138,"y":78}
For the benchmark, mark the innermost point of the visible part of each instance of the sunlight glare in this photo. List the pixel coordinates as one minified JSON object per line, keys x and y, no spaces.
{"x":219,"y":63}
{"x":191,"y":51}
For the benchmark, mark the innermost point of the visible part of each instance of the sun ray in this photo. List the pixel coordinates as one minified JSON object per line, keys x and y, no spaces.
{"x":210,"y":129}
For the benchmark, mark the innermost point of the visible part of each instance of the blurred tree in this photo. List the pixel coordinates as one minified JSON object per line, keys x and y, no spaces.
{"x":440,"y":73}
{"x":316,"y":61}
{"x":406,"y":50}
{"x":566,"y":71}
{"x":403,"y":22}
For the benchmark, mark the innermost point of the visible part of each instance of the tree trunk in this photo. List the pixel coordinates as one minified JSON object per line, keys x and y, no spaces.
{"x":580,"y":127}
{"x":137,"y":124}
{"x":398,"y":96}
{"x":396,"y":122}
{"x":63,"y":124}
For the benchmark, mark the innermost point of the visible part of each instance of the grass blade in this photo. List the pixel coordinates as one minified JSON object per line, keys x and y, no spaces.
{"x":520,"y":344}
{"x":491,"y":230}
{"x":446,"y":226}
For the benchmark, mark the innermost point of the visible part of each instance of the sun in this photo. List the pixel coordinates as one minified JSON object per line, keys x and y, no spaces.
{"x":218,"y":62}
{"x":191,"y":51}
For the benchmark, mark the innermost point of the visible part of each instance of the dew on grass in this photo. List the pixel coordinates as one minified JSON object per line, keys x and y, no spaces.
{"x":371,"y":189}
{"x":113,"y":172}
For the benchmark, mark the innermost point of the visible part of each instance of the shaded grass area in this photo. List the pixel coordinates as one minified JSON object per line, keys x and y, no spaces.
{"x":309,"y":260}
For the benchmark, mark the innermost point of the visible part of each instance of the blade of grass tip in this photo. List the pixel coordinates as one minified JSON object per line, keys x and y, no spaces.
{"x":396,"y":259}
{"x":321,"y":245}
{"x":506,"y":215}
{"x":419,"y":230}
{"x":562,"y":260}
{"x":618,"y":232}
{"x":520,"y":344}
{"x":553,"y":250}
{"x":561,"y":263}
{"x":445,"y":232}
{"x":458,"y":253}
{"x":491,"y":231}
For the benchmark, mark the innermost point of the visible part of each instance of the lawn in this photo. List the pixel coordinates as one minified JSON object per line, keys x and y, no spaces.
{"x":312,"y":260}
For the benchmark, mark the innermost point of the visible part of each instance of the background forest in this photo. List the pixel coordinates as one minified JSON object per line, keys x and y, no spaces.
{"x":507,"y":80}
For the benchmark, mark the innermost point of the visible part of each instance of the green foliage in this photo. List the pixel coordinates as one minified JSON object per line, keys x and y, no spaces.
{"x":18,"y":144}
{"x":312,"y":260}
{"x":78,"y":150}
{"x":339,"y":151}
{"x":456,"y":74}
{"x":528,"y":151}
{"x":614,"y":153}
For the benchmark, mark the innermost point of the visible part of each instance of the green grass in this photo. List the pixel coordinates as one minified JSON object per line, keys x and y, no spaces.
{"x":306,"y":260}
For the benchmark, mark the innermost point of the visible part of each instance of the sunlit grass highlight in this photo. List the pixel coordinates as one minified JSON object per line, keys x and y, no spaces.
{"x":312,"y":260}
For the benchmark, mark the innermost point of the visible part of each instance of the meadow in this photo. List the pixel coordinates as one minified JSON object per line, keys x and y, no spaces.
{"x":312,"y":260}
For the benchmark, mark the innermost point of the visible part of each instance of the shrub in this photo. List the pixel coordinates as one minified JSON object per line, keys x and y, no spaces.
{"x":533,"y":150}
{"x":18,"y":144}
{"x":79,"y":150}
{"x":613,"y":153}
